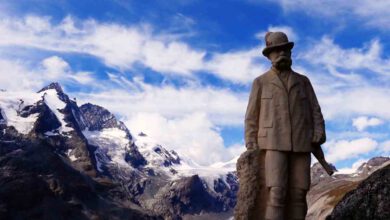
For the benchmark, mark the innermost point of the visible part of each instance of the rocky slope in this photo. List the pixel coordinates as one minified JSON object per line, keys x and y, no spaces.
{"x":326,"y":192}
{"x":92,"y":165}
{"x":370,"y":199}
{"x":37,"y":183}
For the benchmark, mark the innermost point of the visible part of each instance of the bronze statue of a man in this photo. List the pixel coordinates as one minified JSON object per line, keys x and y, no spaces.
{"x":284,"y":120}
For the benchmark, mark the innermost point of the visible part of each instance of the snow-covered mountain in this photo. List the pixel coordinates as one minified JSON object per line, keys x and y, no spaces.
{"x":143,"y":174}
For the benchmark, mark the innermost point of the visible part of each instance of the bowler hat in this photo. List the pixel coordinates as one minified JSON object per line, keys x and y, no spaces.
{"x":276,"y":40}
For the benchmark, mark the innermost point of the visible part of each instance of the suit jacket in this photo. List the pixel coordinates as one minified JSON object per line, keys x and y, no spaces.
{"x":280,"y":118}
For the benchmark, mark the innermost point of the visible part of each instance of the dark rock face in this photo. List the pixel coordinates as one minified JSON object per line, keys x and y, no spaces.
{"x":370,"y":200}
{"x":370,"y":165}
{"x":170,"y":157}
{"x":36,"y":183}
{"x":47,"y":121}
{"x":98,"y":118}
{"x":317,"y":173}
{"x":134,"y":157}
{"x":71,"y":111}
{"x":228,"y":192}
{"x":185,"y":196}
{"x":2,"y":119}
{"x":54,"y":85}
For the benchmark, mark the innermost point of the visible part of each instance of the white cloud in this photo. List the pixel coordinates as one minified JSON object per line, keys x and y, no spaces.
{"x":331,"y":55}
{"x":238,"y":66}
{"x":193,"y":135}
{"x":348,"y":81}
{"x":56,"y":68}
{"x":169,"y":58}
{"x":122,"y":47}
{"x":345,"y":102}
{"x":370,"y":13}
{"x":363,"y":122}
{"x":16,"y":75}
{"x":344,"y":149}
{"x":236,"y":150}
{"x":385,"y":147}
{"x":117,"y":45}
{"x":292,"y":36}
{"x":223,"y":106}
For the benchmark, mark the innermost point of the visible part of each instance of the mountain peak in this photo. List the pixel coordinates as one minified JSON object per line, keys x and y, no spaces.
{"x":377,"y":161}
{"x":372,"y":163}
{"x":99,"y":118}
{"x":53,"y":85}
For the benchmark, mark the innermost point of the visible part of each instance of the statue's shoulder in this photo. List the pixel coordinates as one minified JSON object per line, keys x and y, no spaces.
{"x":263,"y":77}
{"x":302,"y":77}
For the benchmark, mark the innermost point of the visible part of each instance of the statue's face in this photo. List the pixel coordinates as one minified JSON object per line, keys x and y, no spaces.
{"x":280,"y":58}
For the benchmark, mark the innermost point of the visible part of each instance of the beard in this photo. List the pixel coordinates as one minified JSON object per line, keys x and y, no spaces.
{"x":282,"y":63}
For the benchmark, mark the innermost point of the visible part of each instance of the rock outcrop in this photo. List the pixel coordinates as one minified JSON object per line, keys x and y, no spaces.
{"x":327,"y":191}
{"x":370,"y":199}
{"x":251,"y":195}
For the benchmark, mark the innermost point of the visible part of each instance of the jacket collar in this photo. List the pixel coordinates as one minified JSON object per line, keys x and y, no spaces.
{"x":293,"y":79}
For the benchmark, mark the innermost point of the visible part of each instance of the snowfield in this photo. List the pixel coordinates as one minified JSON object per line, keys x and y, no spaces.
{"x":11,"y":103}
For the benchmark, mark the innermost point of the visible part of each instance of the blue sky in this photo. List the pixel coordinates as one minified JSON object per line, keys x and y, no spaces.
{"x":181,"y":71}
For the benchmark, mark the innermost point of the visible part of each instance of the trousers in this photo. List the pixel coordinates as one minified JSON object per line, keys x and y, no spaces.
{"x":287,"y":177}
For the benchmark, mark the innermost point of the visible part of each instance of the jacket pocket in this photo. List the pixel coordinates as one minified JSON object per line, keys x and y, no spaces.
{"x":262,"y":133}
{"x":304,"y":105}
{"x":267,"y":109}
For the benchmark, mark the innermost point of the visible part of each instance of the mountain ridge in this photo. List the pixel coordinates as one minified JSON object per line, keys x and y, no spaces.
{"x":91,"y":140}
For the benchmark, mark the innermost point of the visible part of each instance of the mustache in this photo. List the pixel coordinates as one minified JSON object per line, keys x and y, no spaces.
{"x":282,"y":62}
{"x":281,"y":58}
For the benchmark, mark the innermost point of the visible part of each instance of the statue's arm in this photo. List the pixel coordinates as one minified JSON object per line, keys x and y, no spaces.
{"x":319,"y":135}
{"x":252,"y":116}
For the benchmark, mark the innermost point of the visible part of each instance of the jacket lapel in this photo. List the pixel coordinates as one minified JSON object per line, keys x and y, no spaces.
{"x":293,"y":80}
{"x":274,"y":79}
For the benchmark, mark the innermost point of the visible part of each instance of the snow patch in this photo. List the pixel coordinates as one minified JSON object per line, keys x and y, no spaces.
{"x":11,"y":103}
{"x":111,"y":141}
{"x":147,"y":147}
{"x":208,"y":173}
{"x":50,"y":133}
{"x":52,"y":100}
{"x":72,"y":157}
{"x":187,"y":167}
{"x":98,"y":158}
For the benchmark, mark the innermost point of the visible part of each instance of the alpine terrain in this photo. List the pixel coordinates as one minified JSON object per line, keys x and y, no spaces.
{"x":59,"y":160}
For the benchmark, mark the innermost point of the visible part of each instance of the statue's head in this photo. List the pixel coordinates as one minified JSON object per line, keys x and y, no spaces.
{"x":278,"y":50}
